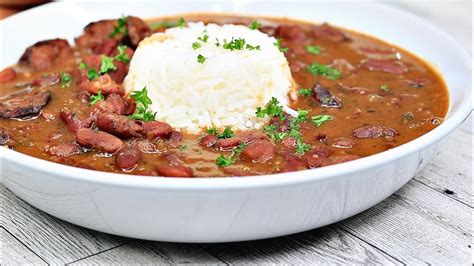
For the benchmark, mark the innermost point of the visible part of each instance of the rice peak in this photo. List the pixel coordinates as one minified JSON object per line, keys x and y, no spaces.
{"x":204,"y":76}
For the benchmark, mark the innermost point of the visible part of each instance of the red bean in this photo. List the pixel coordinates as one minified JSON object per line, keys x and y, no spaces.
{"x":113,"y":103}
{"x":73,"y":122}
{"x":63,"y":149}
{"x":316,"y":156}
{"x":388,"y":66}
{"x":104,"y":84}
{"x":291,"y":32}
{"x":229,"y":143}
{"x":119,"y":125}
{"x":156,"y":129}
{"x":374,"y":132}
{"x":343,"y":142}
{"x":7,"y":75}
{"x":4,"y":136}
{"x":98,"y":140}
{"x":326,"y":31}
{"x":46,"y":80}
{"x":259,"y":151}
{"x":174,"y":171}
{"x":128,"y":158}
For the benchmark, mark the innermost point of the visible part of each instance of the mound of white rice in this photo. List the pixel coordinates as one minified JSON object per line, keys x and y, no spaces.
{"x":224,"y":90}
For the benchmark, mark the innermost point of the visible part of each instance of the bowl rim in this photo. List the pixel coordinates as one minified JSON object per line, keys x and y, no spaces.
{"x":58,"y":170}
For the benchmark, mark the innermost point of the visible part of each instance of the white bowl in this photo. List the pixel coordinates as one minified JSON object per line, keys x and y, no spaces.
{"x":231,"y":209}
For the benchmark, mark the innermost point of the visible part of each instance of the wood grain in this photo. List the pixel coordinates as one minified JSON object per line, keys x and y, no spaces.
{"x":147,"y":252}
{"x":328,"y":245}
{"x":15,"y":253}
{"x":53,"y":240}
{"x":451,"y":171}
{"x":417,"y":225}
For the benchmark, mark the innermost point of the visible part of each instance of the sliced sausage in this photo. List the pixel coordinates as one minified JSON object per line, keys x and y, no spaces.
{"x":119,"y":125}
{"x":113,"y":103}
{"x":23,"y":103}
{"x":103,"y":83}
{"x":174,"y":171}
{"x":259,"y":151}
{"x":96,"y":33}
{"x":7,"y":75}
{"x":137,"y":30}
{"x":128,"y":158}
{"x":157,"y":129}
{"x":73,"y":122}
{"x":325,"y":97}
{"x":328,"y":32}
{"x":388,"y":66}
{"x":208,"y":141}
{"x":98,"y":140}
{"x":63,"y":149}
{"x":374,"y":132}
{"x":316,"y":156}
{"x":42,"y":55}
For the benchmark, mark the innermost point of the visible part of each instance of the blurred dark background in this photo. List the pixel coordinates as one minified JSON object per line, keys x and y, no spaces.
{"x":10,"y":7}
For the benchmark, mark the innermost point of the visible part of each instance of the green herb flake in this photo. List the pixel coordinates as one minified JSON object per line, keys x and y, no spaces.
{"x":312,"y":49}
{"x":305,"y":92}
{"x":181,"y":22}
{"x":121,"y":27}
{"x":92,"y":74}
{"x":122,"y":54}
{"x":182,"y":147}
{"x":301,"y":147}
{"x":227,"y":133}
{"x":201,"y":59}
{"x":203,"y":38}
{"x":96,"y":98}
{"x":66,"y":79}
{"x":83,"y":65}
{"x":255,"y":25}
{"x":196,"y":45}
{"x":319,"y":120}
{"x":322,"y":70}
{"x":385,"y":87}
{"x":143,"y":101}
{"x":106,"y":65}
{"x":224,"y":161}
{"x":212,"y":131}
{"x":272,"y":108}
{"x":278,"y":44}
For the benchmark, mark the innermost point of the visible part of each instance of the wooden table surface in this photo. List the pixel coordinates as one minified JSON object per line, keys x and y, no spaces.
{"x":427,"y":221}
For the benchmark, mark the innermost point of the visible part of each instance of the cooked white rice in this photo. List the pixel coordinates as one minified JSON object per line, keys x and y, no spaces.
{"x":223,"y":91}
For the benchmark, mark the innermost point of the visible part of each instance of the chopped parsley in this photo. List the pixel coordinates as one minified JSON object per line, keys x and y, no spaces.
{"x":92,"y":74}
{"x":318,"y":120}
{"x":224,"y":161}
{"x":301,"y":147}
{"x":106,"y":65}
{"x":227,"y":133}
{"x":272,"y":108}
{"x":203,"y":38}
{"x":237,"y":44}
{"x":182,"y":147}
{"x":278,"y":44}
{"x":322,"y":70}
{"x":122,"y":54}
{"x":66,"y":79}
{"x":96,"y":98}
{"x":255,"y":25}
{"x":143,"y":101}
{"x":120,"y":28}
{"x":168,"y":24}
{"x":312,"y":49}
{"x":305,"y":92}
{"x":385,"y":88}
{"x":83,"y":65}
{"x":196,"y":45}
{"x":201,"y":59}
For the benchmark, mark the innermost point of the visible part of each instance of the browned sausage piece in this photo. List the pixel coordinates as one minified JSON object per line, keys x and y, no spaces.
{"x":137,"y":30}
{"x":119,"y":125}
{"x":7,"y":75}
{"x":259,"y":151}
{"x":291,"y":32}
{"x":229,"y":144}
{"x":96,"y":33}
{"x":46,"y":80}
{"x":103,"y":83}
{"x":157,"y":129}
{"x":23,"y":103}
{"x":4,"y":136}
{"x":174,"y":171}
{"x":325,"y":97}
{"x":98,"y":140}
{"x":73,"y":122}
{"x":128,"y":158}
{"x":208,"y":141}
{"x":374,"y":132}
{"x":63,"y":149}
{"x":328,"y":32}
{"x":43,"y":54}
{"x":388,"y":66}
{"x":113,"y":103}
{"x":316,"y":156}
